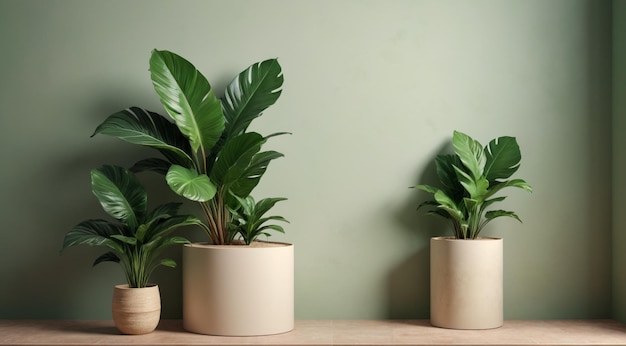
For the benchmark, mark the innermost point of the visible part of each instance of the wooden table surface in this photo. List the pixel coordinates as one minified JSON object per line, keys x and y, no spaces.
{"x":322,"y":332}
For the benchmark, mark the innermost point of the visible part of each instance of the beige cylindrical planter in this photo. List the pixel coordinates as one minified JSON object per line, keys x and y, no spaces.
{"x":238,"y":290}
{"x":466,"y":283}
{"x":136,"y":310}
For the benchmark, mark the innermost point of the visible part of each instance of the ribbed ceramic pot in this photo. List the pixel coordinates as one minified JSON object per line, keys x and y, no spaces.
{"x":238,"y":290}
{"x":136,"y":310}
{"x":466,"y":279}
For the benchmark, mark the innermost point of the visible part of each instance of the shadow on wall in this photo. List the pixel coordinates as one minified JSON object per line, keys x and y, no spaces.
{"x":599,"y":104}
{"x":408,"y":284}
{"x":45,"y":283}
{"x":41,"y":282}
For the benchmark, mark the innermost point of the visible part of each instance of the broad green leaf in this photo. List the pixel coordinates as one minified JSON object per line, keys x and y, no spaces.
{"x":445,"y":166}
{"x":490,"y":215}
{"x":152,"y":164}
{"x":503,"y":158}
{"x":140,"y":126}
{"x":264,"y":205}
{"x":107,"y":257}
{"x":125,"y":239}
{"x":172,"y":223}
{"x":250,"y":93}
{"x":188,"y":98}
{"x":120,"y":193}
{"x":164,"y":211}
{"x":470,"y":152}
{"x":440,"y":212}
{"x":249,"y":220}
{"x":190,"y":184}
{"x":489,"y":202}
{"x":245,"y":205}
{"x":453,"y":212}
{"x":260,"y":223}
{"x":141,"y":232}
{"x":276,"y":228}
{"x":429,"y":203}
{"x":159,"y":243}
{"x":477,"y":189}
{"x":518,"y":183}
{"x":251,"y":177}
{"x":470,"y":204}
{"x":235,"y":157}
{"x":93,"y":233}
{"x":168,"y":263}
{"x":444,"y":199}
{"x":427,"y":188}
{"x":449,"y":205}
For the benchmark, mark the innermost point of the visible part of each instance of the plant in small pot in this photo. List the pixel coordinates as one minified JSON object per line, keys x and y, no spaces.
{"x":211,"y":158}
{"x":135,"y":240}
{"x":467,"y":270}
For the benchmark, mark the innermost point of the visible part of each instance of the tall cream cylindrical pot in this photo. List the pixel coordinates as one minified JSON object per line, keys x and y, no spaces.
{"x":466,"y":279}
{"x":136,"y":310}
{"x":238,"y":290}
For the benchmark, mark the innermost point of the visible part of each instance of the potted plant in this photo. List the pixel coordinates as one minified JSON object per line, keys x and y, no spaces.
{"x":466,"y":269}
{"x":135,"y":239}
{"x":210,"y":157}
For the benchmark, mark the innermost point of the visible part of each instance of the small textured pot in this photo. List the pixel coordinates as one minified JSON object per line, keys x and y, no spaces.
{"x":466,"y":279}
{"x":238,"y":290}
{"x":136,"y":310}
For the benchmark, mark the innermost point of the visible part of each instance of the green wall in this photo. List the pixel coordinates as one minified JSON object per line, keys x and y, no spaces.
{"x":373,"y":91}
{"x":619,"y":160}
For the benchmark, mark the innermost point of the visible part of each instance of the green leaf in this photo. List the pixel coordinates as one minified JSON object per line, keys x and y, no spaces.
{"x":235,"y":158}
{"x":488,"y":202}
{"x":250,"y":93}
{"x":93,"y":233}
{"x":168,"y":263}
{"x":190,"y":184}
{"x":444,"y":199}
{"x":264,"y":205}
{"x":164,"y":227}
{"x":120,"y":194}
{"x":429,"y":203}
{"x":427,"y":188}
{"x":107,"y":257}
{"x":477,"y":189}
{"x":445,"y":166}
{"x":159,"y":243}
{"x":470,"y":153}
{"x":139,"y":126}
{"x":152,"y":164}
{"x":492,"y":214}
{"x":249,"y":220}
{"x":125,"y":239}
{"x":164,"y":211}
{"x":518,"y":183}
{"x":503,"y":158}
{"x":253,"y":174}
{"x":141,"y":232}
{"x":188,"y":98}
{"x":276,"y":228}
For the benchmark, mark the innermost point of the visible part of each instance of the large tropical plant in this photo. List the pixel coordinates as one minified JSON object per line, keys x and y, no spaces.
{"x":469,"y":180}
{"x":209,"y":156}
{"x":137,"y":236}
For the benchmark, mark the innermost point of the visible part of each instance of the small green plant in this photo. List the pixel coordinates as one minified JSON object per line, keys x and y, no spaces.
{"x":248,"y":220}
{"x":137,"y":236}
{"x":470,"y":178}
{"x":209,"y":156}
